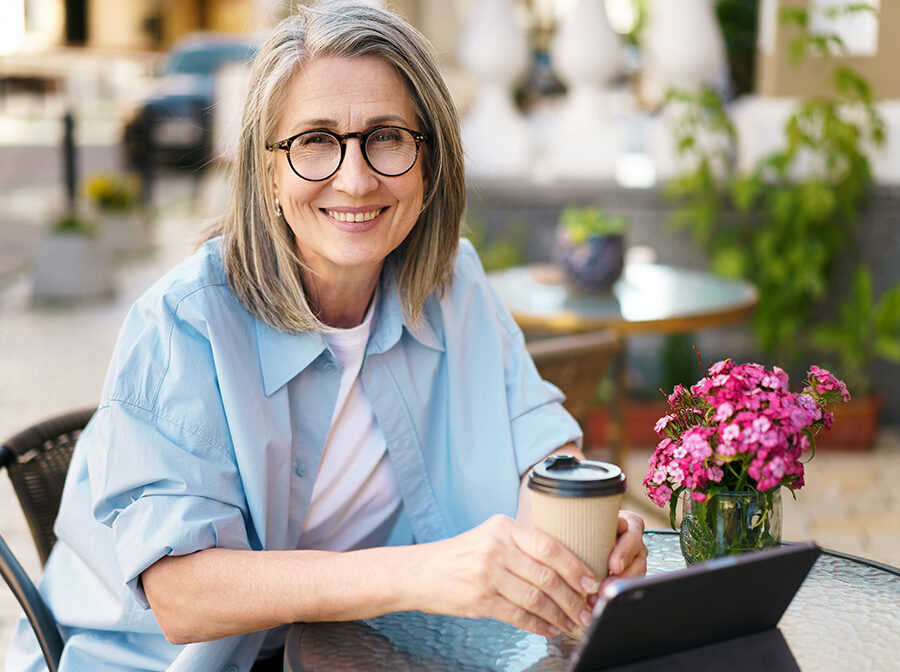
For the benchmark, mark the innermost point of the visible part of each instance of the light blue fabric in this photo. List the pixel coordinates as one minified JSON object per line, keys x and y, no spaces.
{"x":211,"y":426}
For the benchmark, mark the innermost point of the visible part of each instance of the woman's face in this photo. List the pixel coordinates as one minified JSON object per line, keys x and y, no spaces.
{"x":346,"y":225}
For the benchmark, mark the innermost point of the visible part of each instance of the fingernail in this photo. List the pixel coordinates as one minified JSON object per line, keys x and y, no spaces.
{"x":589,"y":585}
{"x":554,"y":631}
{"x":570,"y":626}
{"x":585,"y":617}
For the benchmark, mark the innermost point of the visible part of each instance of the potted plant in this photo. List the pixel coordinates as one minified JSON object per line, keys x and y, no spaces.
{"x":590,"y":247}
{"x":115,"y":199}
{"x":866,"y":330}
{"x":71,"y":262}
{"x":728,"y":446}
{"x":786,"y":223}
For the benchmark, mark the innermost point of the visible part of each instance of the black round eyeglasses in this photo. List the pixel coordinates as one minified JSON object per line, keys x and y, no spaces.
{"x":318,"y":154}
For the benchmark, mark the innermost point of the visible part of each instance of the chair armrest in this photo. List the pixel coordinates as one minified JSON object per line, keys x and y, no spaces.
{"x":36,"y":610}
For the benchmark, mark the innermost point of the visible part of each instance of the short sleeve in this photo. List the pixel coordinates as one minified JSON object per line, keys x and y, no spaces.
{"x":162,"y":488}
{"x":540,"y":424}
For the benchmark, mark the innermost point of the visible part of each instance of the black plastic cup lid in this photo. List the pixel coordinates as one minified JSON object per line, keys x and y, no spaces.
{"x":567,"y":476}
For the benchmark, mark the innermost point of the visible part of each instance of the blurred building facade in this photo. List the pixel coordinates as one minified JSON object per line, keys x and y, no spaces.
{"x":136,"y":24}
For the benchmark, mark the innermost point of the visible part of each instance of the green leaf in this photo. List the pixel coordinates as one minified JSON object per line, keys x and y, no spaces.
{"x":887,"y":312}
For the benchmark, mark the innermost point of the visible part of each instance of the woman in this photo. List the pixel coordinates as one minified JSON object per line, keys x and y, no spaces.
{"x":319,"y":414}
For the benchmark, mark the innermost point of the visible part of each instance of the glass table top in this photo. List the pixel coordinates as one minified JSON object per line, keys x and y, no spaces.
{"x":846,"y":616}
{"x":647,"y":297}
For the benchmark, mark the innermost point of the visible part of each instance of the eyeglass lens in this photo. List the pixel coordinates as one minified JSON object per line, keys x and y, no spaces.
{"x":317,"y":155}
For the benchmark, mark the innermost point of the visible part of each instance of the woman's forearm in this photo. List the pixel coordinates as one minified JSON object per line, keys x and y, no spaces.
{"x":220,"y":592}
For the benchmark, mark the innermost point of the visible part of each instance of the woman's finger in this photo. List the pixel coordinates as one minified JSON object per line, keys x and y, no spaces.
{"x":556,"y":590}
{"x":529,"y":598}
{"x":629,"y":547}
{"x":548,"y":551}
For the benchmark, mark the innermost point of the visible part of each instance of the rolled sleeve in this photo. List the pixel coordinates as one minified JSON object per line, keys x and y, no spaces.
{"x":540,"y":432}
{"x":163,"y":489}
{"x":540,"y":424}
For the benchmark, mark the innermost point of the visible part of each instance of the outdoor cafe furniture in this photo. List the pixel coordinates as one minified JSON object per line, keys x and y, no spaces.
{"x":846,"y":616}
{"x":648,"y":299}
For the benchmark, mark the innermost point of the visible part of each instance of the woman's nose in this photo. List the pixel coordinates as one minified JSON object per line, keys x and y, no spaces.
{"x":355,"y":176}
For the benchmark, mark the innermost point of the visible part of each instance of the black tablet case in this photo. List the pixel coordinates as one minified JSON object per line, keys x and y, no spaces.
{"x":719,"y":615}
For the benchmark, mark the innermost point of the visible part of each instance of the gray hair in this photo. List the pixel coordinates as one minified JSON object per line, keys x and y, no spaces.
{"x":260,"y":257}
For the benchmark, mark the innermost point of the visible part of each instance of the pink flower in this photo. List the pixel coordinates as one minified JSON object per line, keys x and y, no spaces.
{"x":662,"y":422}
{"x":724,"y":411}
{"x":739,"y":426}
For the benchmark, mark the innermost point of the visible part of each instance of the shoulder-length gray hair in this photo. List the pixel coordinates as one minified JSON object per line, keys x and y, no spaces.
{"x":261,"y":261}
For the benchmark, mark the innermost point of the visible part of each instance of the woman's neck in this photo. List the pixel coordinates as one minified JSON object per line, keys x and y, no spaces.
{"x":341,"y":305}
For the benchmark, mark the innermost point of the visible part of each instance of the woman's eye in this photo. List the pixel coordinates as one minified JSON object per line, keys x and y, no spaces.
{"x":386,"y":135}
{"x":314,"y":139}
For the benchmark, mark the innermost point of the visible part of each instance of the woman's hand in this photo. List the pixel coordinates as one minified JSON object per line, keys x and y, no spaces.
{"x":629,"y":556}
{"x":513,"y":573}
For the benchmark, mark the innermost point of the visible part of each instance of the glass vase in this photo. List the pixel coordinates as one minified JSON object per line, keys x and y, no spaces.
{"x":729,"y":523}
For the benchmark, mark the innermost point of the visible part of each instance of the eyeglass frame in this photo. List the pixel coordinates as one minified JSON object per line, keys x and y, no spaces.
{"x":362,"y":136}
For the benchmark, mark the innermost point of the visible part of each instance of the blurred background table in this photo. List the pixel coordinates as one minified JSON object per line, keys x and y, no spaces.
{"x":844,"y":617}
{"x":647,"y":299}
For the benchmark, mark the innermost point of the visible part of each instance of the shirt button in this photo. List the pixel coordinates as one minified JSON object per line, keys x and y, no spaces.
{"x":232,"y":668}
{"x":301,"y":469}
{"x":330,"y":366}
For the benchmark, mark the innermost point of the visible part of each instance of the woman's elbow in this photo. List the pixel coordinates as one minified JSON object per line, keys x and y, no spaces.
{"x":168,"y":604}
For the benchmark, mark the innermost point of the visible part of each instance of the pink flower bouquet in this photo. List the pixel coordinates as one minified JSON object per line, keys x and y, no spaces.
{"x":739,"y":429}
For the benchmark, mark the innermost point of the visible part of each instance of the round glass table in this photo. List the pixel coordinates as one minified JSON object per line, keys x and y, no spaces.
{"x":846,"y":616}
{"x":647,"y":298}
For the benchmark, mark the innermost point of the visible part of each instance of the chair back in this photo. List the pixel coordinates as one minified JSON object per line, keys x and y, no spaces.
{"x":576,"y":364}
{"x":37,"y":460}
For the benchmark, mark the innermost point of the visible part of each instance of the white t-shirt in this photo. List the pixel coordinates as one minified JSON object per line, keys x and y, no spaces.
{"x":355,"y":499}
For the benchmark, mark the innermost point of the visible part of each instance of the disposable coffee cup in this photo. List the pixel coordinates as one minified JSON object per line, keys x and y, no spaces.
{"x":577,"y":502}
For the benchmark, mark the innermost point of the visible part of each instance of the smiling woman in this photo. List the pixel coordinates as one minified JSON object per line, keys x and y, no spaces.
{"x":345,"y":227}
{"x":295,"y":424}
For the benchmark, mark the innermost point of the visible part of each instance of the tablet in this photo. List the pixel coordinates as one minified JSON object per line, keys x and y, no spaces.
{"x":724,"y":599}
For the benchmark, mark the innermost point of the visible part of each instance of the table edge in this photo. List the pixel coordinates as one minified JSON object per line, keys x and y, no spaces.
{"x":884,"y":567}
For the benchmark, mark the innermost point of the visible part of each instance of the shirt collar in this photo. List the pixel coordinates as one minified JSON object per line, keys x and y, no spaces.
{"x":391,"y":319}
{"x":283,"y":355}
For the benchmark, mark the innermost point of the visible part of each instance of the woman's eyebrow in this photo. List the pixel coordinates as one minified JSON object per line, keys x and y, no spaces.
{"x":332,"y":123}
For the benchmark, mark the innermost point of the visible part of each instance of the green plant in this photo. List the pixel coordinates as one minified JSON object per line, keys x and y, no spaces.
{"x":498,"y":251}
{"x":796,"y":210}
{"x":113,"y":192}
{"x":866,"y":330}
{"x":72,"y":223}
{"x":583,"y":223}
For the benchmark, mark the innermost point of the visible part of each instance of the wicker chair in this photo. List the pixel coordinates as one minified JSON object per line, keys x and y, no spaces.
{"x":576,"y":364}
{"x":37,"y":460}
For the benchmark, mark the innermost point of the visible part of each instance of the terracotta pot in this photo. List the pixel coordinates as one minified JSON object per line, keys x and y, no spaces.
{"x":855,"y":425}
{"x":640,"y":418}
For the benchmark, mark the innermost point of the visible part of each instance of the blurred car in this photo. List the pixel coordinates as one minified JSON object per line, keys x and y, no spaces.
{"x":176,"y":116}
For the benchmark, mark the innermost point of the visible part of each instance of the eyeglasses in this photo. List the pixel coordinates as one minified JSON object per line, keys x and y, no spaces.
{"x":317,"y":155}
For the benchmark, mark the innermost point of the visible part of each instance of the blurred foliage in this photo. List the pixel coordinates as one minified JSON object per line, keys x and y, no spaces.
{"x":71,"y":223}
{"x":113,"y":192}
{"x":796,"y":210}
{"x":866,"y":329}
{"x":586,"y":222}
{"x":498,"y":250}
{"x":679,"y":364}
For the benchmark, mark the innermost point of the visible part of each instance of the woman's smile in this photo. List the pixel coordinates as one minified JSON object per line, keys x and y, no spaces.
{"x":360,"y":215}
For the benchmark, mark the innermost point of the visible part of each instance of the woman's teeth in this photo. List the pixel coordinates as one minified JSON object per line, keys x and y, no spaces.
{"x":354,"y":216}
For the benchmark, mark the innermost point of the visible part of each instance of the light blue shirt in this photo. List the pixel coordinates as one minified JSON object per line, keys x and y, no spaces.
{"x":209,"y":434}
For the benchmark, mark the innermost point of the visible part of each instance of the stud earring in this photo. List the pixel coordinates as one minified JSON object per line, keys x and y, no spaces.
{"x":278,"y":210}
